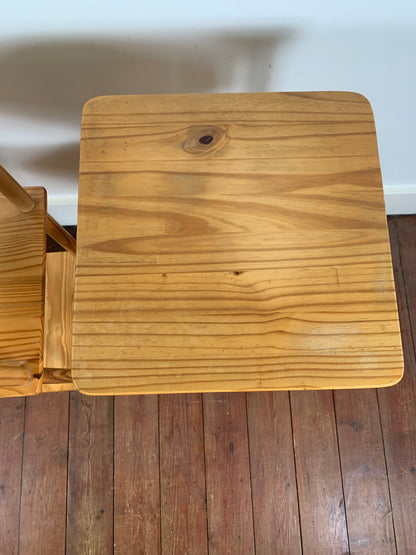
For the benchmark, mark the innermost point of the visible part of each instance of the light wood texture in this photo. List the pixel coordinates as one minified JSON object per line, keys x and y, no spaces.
{"x":90,"y":475}
{"x":61,"y":236}
{"x":44,"y":476}
{"x":227,"y":467}
{"x":320,"y":488}
{"x":273,"y":479}
{"x":16,"y":194}
{"x":257,"y":261}
{"x":57,"y":380}
{"x":22,"y":269}
{"x":59,"y":296}
{"x":136,"y":475}
{"x":182,"y":475}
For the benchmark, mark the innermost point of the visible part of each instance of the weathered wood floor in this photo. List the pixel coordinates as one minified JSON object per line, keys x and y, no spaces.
{"x":279,"y":473}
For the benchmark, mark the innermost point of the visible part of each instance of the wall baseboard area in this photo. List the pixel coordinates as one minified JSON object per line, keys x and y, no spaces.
{"x":400,"y":199}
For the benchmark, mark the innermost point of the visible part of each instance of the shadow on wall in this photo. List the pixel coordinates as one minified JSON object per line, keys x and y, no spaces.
{"x":50,"y":80}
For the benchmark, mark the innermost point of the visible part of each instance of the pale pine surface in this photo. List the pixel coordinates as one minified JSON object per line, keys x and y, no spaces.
{"x":258,"y":261}
{"x":59,"y":298}
{"x":22,"y":267}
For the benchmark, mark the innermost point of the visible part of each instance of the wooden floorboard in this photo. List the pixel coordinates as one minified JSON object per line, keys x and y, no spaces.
{"x":364,"y":476}
{"x":136,"y":475}
{"x":44,"y":475}
{"x":273,"y":479}
{"x":90,"y":475}
{"x":305,"y":472}
{"x":320,"y":489}
{"x":229,"y":504}
{"x":398,"y":404}
{"x":182,"y":474}
{"x":12,"y":419}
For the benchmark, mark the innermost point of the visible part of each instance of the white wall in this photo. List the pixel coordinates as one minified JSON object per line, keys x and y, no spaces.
{"x":54,"y":58}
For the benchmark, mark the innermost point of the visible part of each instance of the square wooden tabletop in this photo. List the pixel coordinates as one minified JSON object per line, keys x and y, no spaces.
{"x":232,"y":242}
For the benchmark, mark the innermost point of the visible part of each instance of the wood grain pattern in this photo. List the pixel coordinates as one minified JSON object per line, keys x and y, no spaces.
{"x":12,"y":416}
{"x":57,"y":380}
{"x":59,"y":293}
{"x":367,"y":498}
{"x":229,"y":503}
{"x":182,"y":475}
{"x":259,"y":261}
{"x":61,"y":235}
{"x":136,"y":475}
{"x":59,"y":297}
{"x":44,"y":476}
{"x":321,"y":499}
{"x":274,"y":491}
{"x":90,"y":475}
{"x":16,"y":194}
{"x":398,"y":404}
{"x":22,"y":268}
{"x":138,"y":421}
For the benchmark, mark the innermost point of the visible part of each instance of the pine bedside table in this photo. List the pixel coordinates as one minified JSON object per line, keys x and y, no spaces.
{"x":232,"y":242}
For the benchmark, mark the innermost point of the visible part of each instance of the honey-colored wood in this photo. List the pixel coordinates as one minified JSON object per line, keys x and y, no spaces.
{"x":22,"y":268}
{"x":61,"y":236}
{"x":258,"y":260}
{"x":16,"y":194}
{"x":59,"y":293}
{"x":57,"y":380}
